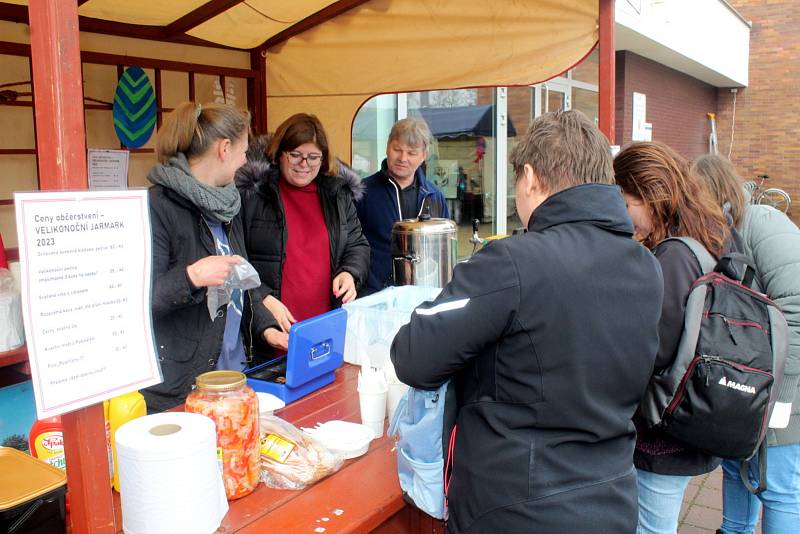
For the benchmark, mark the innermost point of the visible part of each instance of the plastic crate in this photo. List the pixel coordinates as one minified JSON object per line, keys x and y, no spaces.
{"x":31,"y":495}
{"x":373,"y":321}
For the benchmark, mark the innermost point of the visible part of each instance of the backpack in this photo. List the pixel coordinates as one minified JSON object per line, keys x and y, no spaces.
{"x":424,"y":456}
{"x":719,"y":392}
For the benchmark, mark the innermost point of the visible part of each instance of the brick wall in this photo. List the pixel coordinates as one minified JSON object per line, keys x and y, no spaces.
{"x":485,"y":96}
{"x":767,"y":124}
{"x":676,"y":104}
{"x":520,"y":108}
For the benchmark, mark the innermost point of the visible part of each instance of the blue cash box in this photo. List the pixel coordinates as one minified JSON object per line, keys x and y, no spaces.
{"x":316,"y":350}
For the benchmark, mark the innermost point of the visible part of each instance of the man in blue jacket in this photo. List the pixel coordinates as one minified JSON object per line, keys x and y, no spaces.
{"x":398,"y":191}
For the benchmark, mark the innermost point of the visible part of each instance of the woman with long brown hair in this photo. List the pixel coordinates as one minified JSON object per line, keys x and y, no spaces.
{"x":772,"y":241}
{"x":665,"y":200}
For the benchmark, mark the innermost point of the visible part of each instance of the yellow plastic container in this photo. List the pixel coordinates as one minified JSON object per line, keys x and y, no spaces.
{"x":122,"y":409}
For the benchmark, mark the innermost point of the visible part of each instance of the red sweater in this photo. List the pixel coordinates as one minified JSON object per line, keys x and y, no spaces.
{"x":306,"y":276}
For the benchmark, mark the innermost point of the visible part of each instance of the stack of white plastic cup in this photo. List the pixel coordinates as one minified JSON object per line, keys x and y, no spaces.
{"x":372,"y":390}
{"x":396,"y":390}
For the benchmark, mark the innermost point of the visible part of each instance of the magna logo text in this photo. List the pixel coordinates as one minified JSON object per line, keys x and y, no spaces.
{"x":735,"y":385}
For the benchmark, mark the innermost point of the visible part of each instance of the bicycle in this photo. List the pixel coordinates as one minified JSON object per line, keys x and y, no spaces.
{"x":771,"y":196}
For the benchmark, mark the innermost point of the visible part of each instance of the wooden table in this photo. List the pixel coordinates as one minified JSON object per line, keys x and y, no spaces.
{"x":14,"y":367}
{"x":14,"y":356}
{"x":363,"y":496}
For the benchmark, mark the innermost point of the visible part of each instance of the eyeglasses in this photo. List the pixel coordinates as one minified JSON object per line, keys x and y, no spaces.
{"x":295,"y":158}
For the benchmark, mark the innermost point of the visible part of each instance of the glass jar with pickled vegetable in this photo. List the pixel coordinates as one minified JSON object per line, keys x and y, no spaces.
{"x":233,"y":406}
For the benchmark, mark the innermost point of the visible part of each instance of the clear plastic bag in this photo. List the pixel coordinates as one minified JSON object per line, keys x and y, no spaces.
{"x":242,"y":276}
{"x":290,"y":458}
{"x":12,"y":333}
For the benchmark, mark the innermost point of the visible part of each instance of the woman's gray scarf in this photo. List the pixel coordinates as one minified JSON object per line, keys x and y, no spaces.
{"x":218,"y":203}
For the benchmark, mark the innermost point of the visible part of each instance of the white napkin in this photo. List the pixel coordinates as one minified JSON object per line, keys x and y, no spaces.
{"x":372,"y":380}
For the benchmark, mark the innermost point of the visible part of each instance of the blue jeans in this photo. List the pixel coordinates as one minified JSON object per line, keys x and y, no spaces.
{"x":781,"y":500}
{"x":660,"y":499}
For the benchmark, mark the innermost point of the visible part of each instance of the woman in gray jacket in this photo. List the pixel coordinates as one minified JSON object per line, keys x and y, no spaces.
{"x":773,"y":242}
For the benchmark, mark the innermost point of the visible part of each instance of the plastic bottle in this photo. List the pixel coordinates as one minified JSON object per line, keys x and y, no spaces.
{"x":122,"y":409}
{"x":47,"y":441}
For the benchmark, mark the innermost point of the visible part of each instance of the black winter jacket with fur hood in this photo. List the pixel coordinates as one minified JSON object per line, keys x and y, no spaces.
{"x":264,"y":221}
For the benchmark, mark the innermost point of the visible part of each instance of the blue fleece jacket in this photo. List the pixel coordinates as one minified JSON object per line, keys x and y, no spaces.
{"x":379,"y":208}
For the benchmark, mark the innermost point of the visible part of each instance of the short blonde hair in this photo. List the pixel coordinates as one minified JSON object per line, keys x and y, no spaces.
{"x":564,"y":148}
{"x":412,"y":131}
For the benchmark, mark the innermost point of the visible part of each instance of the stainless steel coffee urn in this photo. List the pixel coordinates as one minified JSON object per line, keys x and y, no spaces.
{"x":424,"y":251}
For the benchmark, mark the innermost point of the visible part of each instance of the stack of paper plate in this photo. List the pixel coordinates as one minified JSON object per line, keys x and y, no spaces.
{"x":350,"y":439}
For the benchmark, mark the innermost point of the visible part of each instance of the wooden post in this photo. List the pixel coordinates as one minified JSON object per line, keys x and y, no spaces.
{"x":58,"y":91}
{"x":88,"y":479}
{"x":607,"y":70}
{"x":257,"y":90}
{"x":61,"y":141}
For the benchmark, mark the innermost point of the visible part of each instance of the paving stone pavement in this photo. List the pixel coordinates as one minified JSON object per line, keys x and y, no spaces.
{"x":701,"y":512}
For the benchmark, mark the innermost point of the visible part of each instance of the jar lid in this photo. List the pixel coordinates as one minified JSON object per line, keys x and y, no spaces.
{"x":221,"y":380}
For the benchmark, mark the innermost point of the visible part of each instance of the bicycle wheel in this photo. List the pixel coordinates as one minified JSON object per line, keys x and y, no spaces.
{"x":777,"y":198}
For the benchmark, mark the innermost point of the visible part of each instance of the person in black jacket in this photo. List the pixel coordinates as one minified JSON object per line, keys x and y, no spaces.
{"x":665,"y":200}
{"x":300,"y":225}
{"x":550,"y":338}
{"x":197,"y":240}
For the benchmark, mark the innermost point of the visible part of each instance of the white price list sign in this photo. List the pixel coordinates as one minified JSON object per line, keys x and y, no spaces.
{"x":86,"y":276}
{"x":108,"y":169}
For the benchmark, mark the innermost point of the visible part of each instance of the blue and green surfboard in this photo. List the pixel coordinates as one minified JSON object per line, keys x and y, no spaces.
{"x":134,"y":108}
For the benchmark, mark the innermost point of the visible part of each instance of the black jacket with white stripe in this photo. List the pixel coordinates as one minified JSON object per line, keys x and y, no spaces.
{"x":550,"y":337}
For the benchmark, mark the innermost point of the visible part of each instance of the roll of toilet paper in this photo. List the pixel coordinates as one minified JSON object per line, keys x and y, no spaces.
{"x":170,"y":480}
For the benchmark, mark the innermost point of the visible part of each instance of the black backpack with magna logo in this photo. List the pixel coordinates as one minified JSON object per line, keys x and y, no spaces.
{"x":719,"y":392}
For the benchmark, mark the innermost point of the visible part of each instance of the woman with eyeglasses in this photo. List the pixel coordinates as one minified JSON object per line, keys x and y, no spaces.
{"x":302,"y":232}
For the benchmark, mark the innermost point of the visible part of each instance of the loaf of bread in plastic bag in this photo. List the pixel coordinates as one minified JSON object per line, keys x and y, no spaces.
{"x":290,"y":458}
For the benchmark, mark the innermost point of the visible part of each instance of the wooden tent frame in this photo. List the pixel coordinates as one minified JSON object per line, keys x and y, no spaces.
{"x":60,"y":138}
